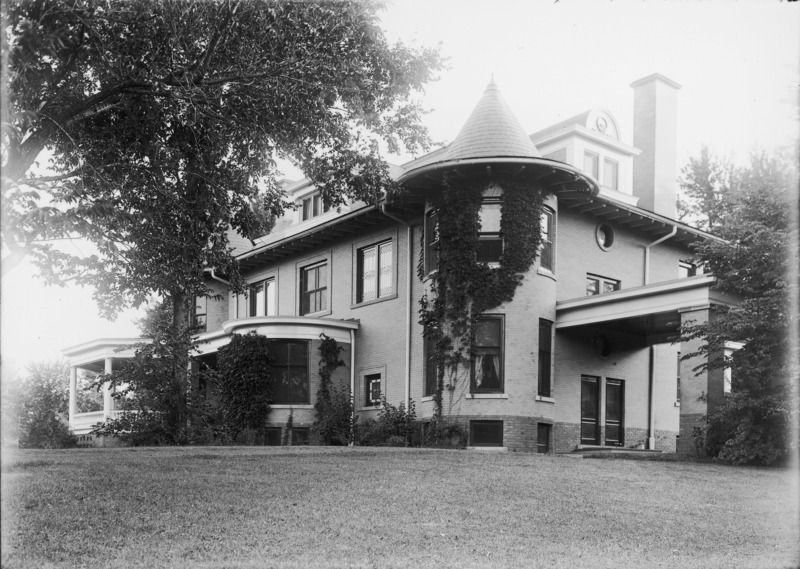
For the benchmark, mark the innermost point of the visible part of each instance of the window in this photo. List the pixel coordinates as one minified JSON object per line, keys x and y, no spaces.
{"x":273,"y":437}
{"x":372,"y":385}
{"x":600,"y":285}
{"x":545,"y":356}
{"x":543,"y":438}
{"x":689,"y":269}
{"x":289,"y":371}
{"x":605,"y":236}
{"x":313,"y":205}
{"x":262,"y":298}
{"x":678,"y":394}
{"x":611,"y":173}
{"x":548,"y":233}
{"x":431,"y":370}
{"x":591,"y":164}
{"x":727,"y":371}
{"x":200,"y":312}
{"x":314,"y":288}
{"x":431,"y":241}
{"x":487,"y":355}
{"x":374,"y":279}
{"x":490,"y":244}
{"x":300,"y":436}
{"x":486,"y":433}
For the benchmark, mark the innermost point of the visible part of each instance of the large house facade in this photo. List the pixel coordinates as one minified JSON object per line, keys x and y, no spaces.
{"x":582,"y":357}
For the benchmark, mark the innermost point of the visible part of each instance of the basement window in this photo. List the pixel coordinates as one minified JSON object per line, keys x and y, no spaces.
{"x":486,"y":433}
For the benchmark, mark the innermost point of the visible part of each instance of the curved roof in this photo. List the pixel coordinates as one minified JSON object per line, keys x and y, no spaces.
{"x":491,"y":130}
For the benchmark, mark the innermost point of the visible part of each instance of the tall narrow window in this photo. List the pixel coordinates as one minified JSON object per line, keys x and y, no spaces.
{"x":431,"y":241}
{"x":490,"y":244}
{"x":374,"y":279}
{"x":290,"y":371}
{"x":200,"y":313}
{"x":262,"y":298}
{"x":372,"y":385}
{"x":487,"y":355}
{"x":314,"y":288}
{"x":548,"y":233}
{"x":430,"y":366}
{"x":545,"y":356}
{"x":611,"y":174}
{"x":591,"y":164}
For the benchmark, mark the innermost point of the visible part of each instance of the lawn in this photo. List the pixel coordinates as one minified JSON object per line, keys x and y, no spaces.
{"x":362,"y":507}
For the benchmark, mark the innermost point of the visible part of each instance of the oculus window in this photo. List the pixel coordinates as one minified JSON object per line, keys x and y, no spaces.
{"x":605,"y":236}
{"x":487,"y":355}
{"x":374,"y":277}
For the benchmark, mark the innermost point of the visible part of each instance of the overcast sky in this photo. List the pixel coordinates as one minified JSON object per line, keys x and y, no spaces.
{"x":738,"y":64}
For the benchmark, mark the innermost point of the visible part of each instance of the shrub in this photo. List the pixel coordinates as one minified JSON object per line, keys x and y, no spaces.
{"x":42,"y":407}
{"x":394,"y":427}
{"x":335,"y":423}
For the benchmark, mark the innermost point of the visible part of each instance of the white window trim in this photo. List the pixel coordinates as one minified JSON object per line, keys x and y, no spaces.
{"x":362,"y":374}
{"x":361,"y":244}
{"x":327,"y":258}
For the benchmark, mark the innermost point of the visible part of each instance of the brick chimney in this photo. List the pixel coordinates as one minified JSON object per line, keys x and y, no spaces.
{"x":655,"y":170}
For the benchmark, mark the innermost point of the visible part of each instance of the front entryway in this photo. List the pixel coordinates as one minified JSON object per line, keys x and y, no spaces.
{"x":590,"y":410}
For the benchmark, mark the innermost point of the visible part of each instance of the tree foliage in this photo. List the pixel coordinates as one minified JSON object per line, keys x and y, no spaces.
{"x":753,"y":216}
{"x":164,"y":120}
{"x":42,"y":406}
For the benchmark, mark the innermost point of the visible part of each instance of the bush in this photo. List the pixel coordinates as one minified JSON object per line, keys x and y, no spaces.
{"x":394,"y":427}
{"x":334,"y":423}
{"x":439,"y":434}
{"x":43,"y":407}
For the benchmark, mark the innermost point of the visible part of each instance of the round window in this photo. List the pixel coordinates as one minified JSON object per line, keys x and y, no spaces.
{"x":605,"y":236}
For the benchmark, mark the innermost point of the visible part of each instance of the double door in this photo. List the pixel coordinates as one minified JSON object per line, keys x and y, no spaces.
{"x":614,"y":411}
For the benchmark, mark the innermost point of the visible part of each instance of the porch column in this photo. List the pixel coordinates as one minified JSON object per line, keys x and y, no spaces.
{"x":73,"y":395}
{"x":700,"y":392}
{"x":108,"y":402}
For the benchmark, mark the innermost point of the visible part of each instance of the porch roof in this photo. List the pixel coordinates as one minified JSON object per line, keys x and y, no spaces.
{"x":91,"y":355}
{"x":650,"y":309}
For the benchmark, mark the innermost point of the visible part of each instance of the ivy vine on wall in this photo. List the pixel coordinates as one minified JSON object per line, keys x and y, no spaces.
{"x":462,"y":287}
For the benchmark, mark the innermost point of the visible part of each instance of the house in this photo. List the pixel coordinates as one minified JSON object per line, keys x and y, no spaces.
{"x":582,"y":356}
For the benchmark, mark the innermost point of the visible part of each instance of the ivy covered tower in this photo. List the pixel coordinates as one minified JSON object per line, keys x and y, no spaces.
{"x":488,"y":265}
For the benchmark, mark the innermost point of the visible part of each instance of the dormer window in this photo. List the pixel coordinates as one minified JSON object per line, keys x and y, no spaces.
{"x":611,"y":174}
{"x":591,"y":164}
{"x":313,"y":205}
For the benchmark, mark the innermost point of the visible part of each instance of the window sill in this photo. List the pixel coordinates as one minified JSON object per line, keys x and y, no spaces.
{"x":544,"y":399}
{"x":374,"y":301}
{"x":546,"y":273}
{"x":291,"y":406}
{"x":319,"y":314}
{"x":426,"y":398}
{"x":677,"y":404}
{"x":487,"y":396}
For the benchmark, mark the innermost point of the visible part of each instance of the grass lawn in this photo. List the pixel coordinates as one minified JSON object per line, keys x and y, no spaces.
{"x":366,"y":507}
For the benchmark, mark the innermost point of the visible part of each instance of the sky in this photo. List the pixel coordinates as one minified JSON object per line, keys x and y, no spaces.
{"x":738,"y":64}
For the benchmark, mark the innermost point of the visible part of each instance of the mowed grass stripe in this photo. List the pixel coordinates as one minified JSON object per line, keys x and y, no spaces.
{"x":322,"y":507}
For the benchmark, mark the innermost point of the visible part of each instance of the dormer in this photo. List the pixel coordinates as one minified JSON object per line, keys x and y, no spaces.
{"x":591,"y":142}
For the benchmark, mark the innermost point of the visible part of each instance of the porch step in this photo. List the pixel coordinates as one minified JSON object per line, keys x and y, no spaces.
{"x":586,"y":450}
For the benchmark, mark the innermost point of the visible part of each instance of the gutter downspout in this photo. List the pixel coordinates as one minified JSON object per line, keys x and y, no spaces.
{"x":409,"y":282}
{"x":647,"y":252}
{"x":352,"y":384}
{"x":651,"y":419}
{"x":223,"y":281}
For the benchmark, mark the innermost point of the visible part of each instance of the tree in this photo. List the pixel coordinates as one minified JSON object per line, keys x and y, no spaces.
{"x":164,"y":120}
{"x":754,"y":262}
{"x":40,"y":403}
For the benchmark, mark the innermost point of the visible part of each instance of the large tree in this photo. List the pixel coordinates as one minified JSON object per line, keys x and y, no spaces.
{"x":163,"y":121}
{"x":751,"y":208}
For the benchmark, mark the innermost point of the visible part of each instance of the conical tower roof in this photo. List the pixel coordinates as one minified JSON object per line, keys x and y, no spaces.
{"x":493,"y":145}
{"x":491,"y":130}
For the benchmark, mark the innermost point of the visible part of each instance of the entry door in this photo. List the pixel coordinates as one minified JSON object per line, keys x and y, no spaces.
{"x":590,"y":410}
{"x":615,"y":412}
